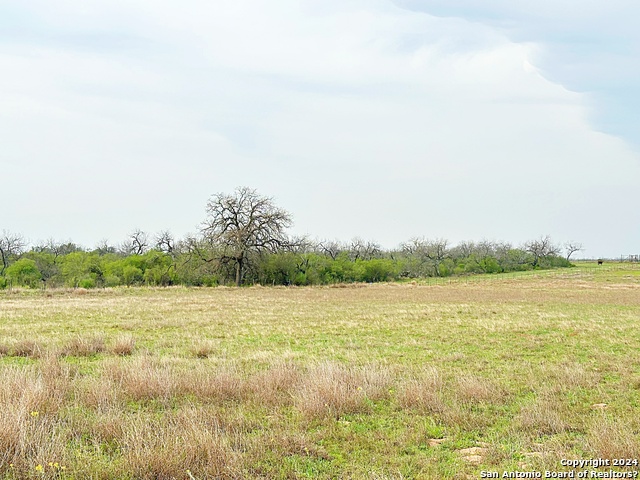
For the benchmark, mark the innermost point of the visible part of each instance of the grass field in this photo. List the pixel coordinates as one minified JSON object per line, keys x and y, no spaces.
{"x":387,"y":381}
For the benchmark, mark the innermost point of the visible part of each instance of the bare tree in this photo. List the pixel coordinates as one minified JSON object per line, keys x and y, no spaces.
{"x":571,"y":248}
{"x":464,"y":249}
{"x":11,"y":245}
{"x":136,"y":244}
{"x":541,"y":248}
{"x":103,"y":247}
{"x":363,"y":249}
{"x":57,"y":249}
{"x":332,"y":248}
{"x":243,"y":223}
{"x":431,"y":252}
{"x":165,"y":242}
{"x":300,"y":245}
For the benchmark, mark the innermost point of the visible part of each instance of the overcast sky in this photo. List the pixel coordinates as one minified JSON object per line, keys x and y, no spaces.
{"x":375,"y":118}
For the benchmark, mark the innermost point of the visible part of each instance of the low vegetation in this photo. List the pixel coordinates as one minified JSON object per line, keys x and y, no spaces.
{"x":365,"y":381}
{"x":194,"y":263}
{"x":243,"y":240}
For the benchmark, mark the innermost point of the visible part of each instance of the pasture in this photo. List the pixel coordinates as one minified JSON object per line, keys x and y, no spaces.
{"x":384,"y":381}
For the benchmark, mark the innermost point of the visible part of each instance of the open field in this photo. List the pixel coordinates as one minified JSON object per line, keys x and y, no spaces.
{"x":384,"y":381}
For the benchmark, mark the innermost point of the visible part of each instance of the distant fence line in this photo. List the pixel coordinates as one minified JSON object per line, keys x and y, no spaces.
{"x":623,"y":259}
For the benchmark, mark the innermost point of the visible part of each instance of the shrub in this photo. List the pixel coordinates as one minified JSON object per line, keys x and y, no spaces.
{"x":87,"y":282}
{"x":378,"y":270}
{"x":24,"y":272}
{"x":131,"y":275}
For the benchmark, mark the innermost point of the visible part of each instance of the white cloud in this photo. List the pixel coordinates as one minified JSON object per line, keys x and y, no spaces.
{"x":361,"y":118}
{"x":591,"y":47}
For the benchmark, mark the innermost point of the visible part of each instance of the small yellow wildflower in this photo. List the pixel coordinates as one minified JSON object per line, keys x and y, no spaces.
{"x":39,"y":468}
{"x":51,"y":464}
{"x":35,"y":414}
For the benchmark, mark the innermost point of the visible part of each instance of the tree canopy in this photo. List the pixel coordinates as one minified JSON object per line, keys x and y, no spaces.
{"x":244,"y":223}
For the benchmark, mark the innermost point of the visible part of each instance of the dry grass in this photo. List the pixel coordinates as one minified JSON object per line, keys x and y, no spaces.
{"x":275,"y":386}
{"x":424,"y":392}
{"x":472,"y":389}
{"x":27,"y":348}
{"x":84,"y":346}
{"x":317,"y":382}
{"x":124,"y":345}
{"x":166,"y":448}
{"x":545,"y":416}
{"x":223,"y":384}
{"x":611,"y":438}
{"x":331,"y":389}
{"x":142,"y":379}
{"x":99,"y":393}
{"x":203,"y":348}
{"x":29,"y":402}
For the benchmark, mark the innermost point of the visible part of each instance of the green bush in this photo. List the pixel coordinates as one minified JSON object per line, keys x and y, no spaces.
{"x":112,"y":281}
{"x":24,"y":272}
{"x":87,"y":282}
{"x":131,"y":275}
{"x":379,"y":270}
{"x":554,"y":261}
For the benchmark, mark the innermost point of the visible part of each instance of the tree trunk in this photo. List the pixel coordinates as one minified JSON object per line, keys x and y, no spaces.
{"x":239,"y":262}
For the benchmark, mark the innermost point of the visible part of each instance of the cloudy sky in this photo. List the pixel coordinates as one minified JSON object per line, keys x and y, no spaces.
{"x":457,"y":119}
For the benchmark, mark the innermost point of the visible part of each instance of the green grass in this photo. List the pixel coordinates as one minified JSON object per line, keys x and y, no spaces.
{"x":359,"y":381}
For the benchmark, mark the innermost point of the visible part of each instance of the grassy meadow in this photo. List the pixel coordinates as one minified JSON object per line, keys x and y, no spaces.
{"x":382,"y":381}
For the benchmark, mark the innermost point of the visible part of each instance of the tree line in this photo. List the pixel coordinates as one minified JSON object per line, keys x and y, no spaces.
{"x":243,"y":240}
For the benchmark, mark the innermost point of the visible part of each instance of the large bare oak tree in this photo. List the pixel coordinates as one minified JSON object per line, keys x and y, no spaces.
{"x":244,"y":223}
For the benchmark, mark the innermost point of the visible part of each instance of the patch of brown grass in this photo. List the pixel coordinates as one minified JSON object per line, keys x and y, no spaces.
{"x":57,"y":378}
{"x":109,"y":427}
{"x":84,"y":346}
{"x":101,"y":393}
{"x":168,"y":447}
{"x":611,"y":438}
{"x":143,"y":379}
{"x":29,"y":401}
{"x":275,"y":385}
{"x":27,"y":348}
{"x":471,"y":389}
{"x":331,"y":389}
{"x":543,"y":417}
{"x":223,"y":383}
{"x":202,"y":349}
{"x":423,"y":392}
{"x":124,"y":345}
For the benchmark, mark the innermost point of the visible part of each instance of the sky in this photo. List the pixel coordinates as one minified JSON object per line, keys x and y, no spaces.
{"x":501,"y":120}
